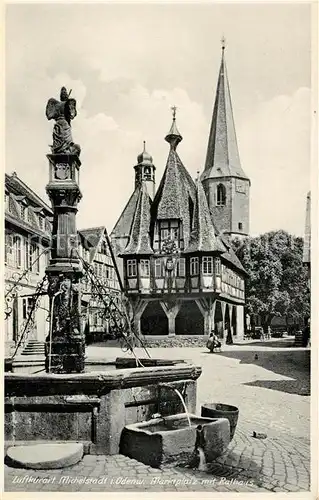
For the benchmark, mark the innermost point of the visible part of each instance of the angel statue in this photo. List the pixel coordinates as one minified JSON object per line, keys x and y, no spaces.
{"x":62,"y":112}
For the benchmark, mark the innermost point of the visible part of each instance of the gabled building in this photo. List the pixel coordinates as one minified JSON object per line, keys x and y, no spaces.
{"x":181,"y":276}
{"x":96,"y":250}
{"x":28,"y":231}
{"x":27,"y":247}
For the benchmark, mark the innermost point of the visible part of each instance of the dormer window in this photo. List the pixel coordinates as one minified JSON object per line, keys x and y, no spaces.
{"x":22,"y":211}
{"x":169,"y":230}
{"x":30,"y":218}
{"x":41,"y":222}
{"x":221,"y":195}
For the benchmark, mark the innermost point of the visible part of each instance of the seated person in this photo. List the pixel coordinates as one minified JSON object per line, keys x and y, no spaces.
{"x":213,"y":342}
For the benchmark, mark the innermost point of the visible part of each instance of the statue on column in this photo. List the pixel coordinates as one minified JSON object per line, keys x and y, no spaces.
{"x":62,"y":112}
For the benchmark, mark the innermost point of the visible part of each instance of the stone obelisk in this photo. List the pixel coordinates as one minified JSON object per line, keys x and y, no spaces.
{"x":65,"y":343}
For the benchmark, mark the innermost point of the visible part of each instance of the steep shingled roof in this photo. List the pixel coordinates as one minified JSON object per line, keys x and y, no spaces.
{"x":176,"y":188}
{"x":203,"y":237}
{"x":15,"y":185}
{"x":139,"y":242}
{"x":232,"y":258}
{"x":222,"y":159}
{"x":90,"y":238}
{"x":124,"y":223}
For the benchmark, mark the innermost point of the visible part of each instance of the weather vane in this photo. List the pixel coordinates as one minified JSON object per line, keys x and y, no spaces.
{"x":174,"y":108}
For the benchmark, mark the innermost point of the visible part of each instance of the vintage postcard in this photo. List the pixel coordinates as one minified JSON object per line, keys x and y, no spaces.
{"x":158,"y":199}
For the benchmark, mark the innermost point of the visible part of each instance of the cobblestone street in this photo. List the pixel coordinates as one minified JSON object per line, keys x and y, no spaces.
{"x":270,"y":385}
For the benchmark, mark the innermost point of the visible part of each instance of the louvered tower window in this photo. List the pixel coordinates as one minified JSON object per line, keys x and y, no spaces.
{"x":221,"y":195}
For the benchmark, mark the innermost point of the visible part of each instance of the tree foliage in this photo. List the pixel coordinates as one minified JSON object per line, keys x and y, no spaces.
{"x":277,"y":279}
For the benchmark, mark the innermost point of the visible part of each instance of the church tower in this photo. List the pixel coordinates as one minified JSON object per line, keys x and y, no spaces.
{"x":145,"y":172}
{"x":225,"y":183}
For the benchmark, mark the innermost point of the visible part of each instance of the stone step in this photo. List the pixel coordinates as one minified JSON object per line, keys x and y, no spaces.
{"x":45,"y":456}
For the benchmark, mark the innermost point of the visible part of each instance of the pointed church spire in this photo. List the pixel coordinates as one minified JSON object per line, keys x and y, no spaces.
{"x":174,"y":137}
{"x":222,"y":159}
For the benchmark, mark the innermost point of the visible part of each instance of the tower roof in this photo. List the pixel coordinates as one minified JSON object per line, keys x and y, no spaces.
{"x":139,"y":241}
{"x":177,"y":189}
{"x":203,"y":237}
{"x":176,"y":184}
{"x":174,"y":137}
{"x":222,"y":158}
{"x":144,"y":158}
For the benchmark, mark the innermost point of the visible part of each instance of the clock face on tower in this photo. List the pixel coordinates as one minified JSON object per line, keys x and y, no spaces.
{"x":240,"y":186}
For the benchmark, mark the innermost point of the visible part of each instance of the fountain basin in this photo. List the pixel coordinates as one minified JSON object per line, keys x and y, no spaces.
{"x":93,"y":408}
{"x":163,"y":440}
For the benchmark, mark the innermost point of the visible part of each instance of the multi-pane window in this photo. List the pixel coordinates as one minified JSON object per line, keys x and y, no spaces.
{"x":158,"y":268}
{"x":31,"y":257}
{"x":145,"y":267}
{"x":27,"y":306}
{"x":35,"y":261}
{"x":27,"y":256}
{"x":217,"y":266}
{"x":98,"y":267}
{"x":181,"y":268}
{"x":170,"y":230}
{"x":131,"y":268}
{"x":194,"y":266}
{"x":17,"y":249}
{"x":207,"y":266}
{"x":9,"y":249}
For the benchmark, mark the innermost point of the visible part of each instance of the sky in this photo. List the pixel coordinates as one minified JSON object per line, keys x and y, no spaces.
{"x":128,"y":64}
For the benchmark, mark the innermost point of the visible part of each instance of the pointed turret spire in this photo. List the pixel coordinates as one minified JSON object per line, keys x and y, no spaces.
{"x":222,"y":159}
{"x":174,"y":137}
{"x":139,"y":241}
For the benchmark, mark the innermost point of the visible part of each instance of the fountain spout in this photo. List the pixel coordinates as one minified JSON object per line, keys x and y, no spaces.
{"x":181,"y":398}
{"x":200,"y":444}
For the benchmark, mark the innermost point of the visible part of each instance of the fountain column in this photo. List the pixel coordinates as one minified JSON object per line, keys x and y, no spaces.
{"x":65,"y":343}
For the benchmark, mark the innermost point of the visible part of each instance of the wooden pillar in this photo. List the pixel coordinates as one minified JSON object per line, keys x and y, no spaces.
{"x":230,"y":306}
{"x":207,"y":308}
{"x":223,"y":307}
{"x":240,"y":322}
{"x":138,"y":309}
{"x":171,"y":310}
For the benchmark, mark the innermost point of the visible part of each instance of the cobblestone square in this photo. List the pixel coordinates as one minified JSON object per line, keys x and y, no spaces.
{"x":272,"y":394}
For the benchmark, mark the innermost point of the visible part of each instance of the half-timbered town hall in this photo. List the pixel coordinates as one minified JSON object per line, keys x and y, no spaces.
{"x":173,"y":249}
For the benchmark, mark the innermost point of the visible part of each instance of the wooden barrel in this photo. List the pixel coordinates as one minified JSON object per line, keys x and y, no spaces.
{"x":220,"y":410}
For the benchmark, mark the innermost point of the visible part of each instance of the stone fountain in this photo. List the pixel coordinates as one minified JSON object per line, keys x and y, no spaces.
{"x":68,"y":403}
